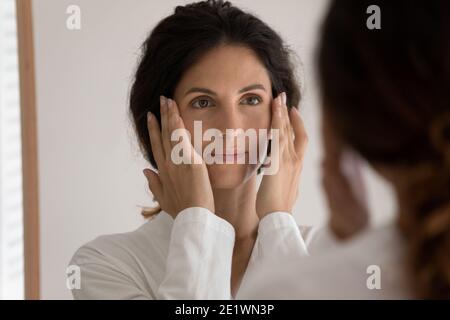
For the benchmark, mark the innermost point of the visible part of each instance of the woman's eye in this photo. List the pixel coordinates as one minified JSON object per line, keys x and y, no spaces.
{"x":202,"y":103}
{"x":253,"y":100}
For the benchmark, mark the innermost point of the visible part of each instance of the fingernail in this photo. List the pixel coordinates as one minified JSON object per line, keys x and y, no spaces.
{"x":284,"y":98}
{"x":295,"y":110}
{"x":169,"y":103}
{"x":280,"y":100}
{"x":149,"y":116}
{"x":278,"y":111}
{"x":162,"y":101}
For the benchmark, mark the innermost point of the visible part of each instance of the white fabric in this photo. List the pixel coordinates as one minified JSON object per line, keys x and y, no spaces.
{"x":186,"y":258}
{"x":190,"y":258}
{"x":345,"y":271}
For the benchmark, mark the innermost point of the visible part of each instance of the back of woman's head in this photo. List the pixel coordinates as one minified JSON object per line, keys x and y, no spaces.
{"x":386,"y":93}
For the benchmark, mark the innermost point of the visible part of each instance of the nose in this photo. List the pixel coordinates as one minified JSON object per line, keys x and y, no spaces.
{"x":232,"y":126}
{"x":230,"y":118}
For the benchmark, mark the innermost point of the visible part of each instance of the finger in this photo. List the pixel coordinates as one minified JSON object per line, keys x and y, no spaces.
{"x":175,"y":121}
{"x":287,"y":130}
{"x":352,"y":170}
{"x":340,"y":193}
{"x":335,"y":184}
{"x":276,"y":112}
{"x":332,"y":144}
{"x":154,"y":183}
{"x":173,"y":107}
{"x":165,"y":127}
{"x":275,"y":133}
{"x":277,"y":119}
{"x":335,"y":178}
{"x":300,"y":135}
{"x":155,"y":139}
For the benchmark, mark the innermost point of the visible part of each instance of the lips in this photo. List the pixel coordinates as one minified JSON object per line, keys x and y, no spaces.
{"x":230,"y":153}
{"x":231,"y":157}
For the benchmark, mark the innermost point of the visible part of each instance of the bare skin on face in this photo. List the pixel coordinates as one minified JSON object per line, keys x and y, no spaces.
{"x":229,"y":88}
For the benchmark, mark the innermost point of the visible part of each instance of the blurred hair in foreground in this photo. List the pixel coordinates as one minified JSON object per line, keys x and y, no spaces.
{"x":386,"y":93}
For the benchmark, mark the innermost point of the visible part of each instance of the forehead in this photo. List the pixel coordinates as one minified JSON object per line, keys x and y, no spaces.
{"x":225,"y":67}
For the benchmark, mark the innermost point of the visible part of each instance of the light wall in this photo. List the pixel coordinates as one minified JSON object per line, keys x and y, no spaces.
{"x":90,"y":166}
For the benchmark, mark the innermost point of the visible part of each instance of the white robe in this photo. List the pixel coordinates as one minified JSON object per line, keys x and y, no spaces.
{"x":190,"y":258}
{"x":186,"y":258}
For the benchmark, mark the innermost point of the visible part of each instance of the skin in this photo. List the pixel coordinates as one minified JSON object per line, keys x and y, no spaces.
{"x":226,"y":107}
{"x":228,"y":190}
{"x":345,"y":191}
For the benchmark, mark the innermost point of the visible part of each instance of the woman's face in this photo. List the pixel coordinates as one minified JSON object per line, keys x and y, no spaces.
{"x":228,"y":88}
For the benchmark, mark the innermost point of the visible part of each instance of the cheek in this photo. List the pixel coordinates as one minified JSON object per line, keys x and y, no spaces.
{"x":260,"y":119}
{"x":189,"y":118}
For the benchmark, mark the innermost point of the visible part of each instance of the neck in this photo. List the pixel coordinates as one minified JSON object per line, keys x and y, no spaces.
{"x":237,"y":206}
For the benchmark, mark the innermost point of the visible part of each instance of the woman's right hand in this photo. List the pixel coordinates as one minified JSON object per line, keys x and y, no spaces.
{"x":176,"y":186}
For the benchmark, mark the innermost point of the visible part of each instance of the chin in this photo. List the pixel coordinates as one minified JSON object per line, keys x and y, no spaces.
{"x":229,"y":176}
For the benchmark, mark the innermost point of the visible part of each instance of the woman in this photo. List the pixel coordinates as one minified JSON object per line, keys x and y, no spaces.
{"x":208,"y":62}
{"x":386,"y":96}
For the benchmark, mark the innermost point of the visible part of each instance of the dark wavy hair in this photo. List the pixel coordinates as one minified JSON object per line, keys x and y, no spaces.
{"x":386,"y":93}
{"x":181,"y":39}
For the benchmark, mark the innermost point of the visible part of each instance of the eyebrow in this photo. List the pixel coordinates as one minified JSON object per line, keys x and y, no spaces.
{"x":208,"y":91}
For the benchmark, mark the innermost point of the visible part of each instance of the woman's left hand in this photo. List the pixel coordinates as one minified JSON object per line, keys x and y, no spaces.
{"x":278,"y":192}
{"x":344,"y":185}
